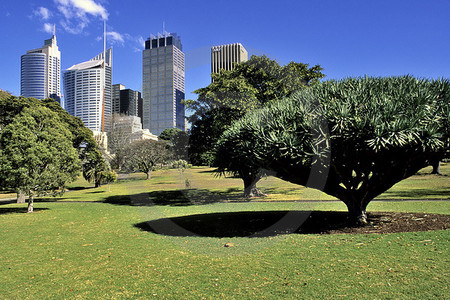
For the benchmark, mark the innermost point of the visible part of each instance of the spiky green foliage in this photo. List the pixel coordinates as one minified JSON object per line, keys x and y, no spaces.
{"x":353,"y":138}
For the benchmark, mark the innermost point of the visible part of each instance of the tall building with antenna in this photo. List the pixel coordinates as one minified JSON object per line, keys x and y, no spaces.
{"x":87,"y":91}
{"x":163,"y":83}
{"x":40,"y":73}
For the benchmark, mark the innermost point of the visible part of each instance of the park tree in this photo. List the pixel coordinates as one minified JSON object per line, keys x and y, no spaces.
{"x":4,"y":94}
{"x":353,"y":139}
{"x":144,"y":155}
{"x":249,"y":86}
{"x":83,"y":140}
{"x":168,"y":133}
{"x":36,"y":154}
{"x":179,"y":142}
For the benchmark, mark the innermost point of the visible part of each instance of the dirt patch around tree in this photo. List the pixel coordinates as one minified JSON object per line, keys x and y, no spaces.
{"x":393,"y":222}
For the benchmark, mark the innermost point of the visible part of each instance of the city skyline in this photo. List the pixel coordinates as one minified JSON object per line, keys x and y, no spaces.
{"x":348,"y":38}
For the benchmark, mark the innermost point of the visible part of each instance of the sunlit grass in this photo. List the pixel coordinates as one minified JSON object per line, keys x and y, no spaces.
{"x":79,"y":247}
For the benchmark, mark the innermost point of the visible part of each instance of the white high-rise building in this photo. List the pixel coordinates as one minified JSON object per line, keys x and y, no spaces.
{"x":88,"y":91}
{"x":163,"y":83}
{"x":225,"y":57}
{"x":41,"y":72}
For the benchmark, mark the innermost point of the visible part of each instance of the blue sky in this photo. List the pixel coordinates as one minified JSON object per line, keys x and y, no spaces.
{"x":346,"y":37}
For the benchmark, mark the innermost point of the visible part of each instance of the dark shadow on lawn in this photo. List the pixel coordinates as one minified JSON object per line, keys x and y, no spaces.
{"x":79,"y":188}
{"x":248,"y":223}
{"x":17,"y":210}
{"x":175,"y":198}
{"x":418,"y":193}
{"x":207,"y":171}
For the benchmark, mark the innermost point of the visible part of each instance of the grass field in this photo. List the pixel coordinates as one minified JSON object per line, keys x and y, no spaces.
{"x":85,"y":245}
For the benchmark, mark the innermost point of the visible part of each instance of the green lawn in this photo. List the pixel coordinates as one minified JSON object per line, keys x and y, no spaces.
{"x":85,"y":245}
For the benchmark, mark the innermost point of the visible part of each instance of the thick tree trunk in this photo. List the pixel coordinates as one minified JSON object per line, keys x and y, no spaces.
{"x":357,"y":212}
{"x":30,"y":204}
{"x":250,"y":189}
{"x":436,"y":167}
{"x":149,"y":175}
{"x":20,"y":197}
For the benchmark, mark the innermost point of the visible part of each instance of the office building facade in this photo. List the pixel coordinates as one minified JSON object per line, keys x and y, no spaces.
{"x":40,"y":73}
{"x":163,"y":83}
{"x":225,"y":57}
{"x":126,"y":101}
{"x":116,"y":88}
{"x":88,"y":91}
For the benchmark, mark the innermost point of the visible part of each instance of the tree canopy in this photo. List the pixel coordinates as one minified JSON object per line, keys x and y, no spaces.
{"x":82,"y":138}
{"x":250,"y":85}
{"x":352,"y":139}
{"x":36,"y":153}
{"x":143,"y":155}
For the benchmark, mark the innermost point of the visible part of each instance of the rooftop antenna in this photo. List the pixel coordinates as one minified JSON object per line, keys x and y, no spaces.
{"x":104,"y":39}
{"x":54,"y":29}
{"x":164,"y":27}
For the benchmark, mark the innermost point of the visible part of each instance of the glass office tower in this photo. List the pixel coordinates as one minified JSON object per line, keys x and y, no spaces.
{"x":163,"y":83}
{"x":41,"y":71}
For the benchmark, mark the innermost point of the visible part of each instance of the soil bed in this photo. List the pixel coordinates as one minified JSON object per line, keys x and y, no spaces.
{"x":392,"y":222}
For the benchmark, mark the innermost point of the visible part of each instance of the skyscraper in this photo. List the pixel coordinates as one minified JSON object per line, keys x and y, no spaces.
{"x":116,"y":88}
{"x":41,"y":71}
{"x":126,"y":101}
{"x":225,"y":57}
{"x":163,"y":83}
{"x":87,"y":91}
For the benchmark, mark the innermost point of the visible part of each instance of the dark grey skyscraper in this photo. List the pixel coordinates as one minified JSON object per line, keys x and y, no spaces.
{"x":163,"y":83}
{"x":126,"y":101}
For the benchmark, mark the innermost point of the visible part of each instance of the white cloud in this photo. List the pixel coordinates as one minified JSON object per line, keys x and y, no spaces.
{"x":42,"y":13}
{"x":48,"y":28}
{"x":141,"y":41}
{"x":78,"y":13}
{"x":115,"y":37}
{"x":80,"y":8}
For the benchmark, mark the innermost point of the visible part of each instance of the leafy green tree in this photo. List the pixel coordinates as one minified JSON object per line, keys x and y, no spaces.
{"x":179,"y":141}
{"x":144,"y":155}
{"x":168,"y":133}
{"x":354,"y":139}
{"x":36,"y":154}
{"x":249,"y":86}
{"x":82,"y":138}
{"x":4,"y":94}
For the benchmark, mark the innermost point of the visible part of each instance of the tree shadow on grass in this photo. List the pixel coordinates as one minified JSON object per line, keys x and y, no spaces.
{"x":79,"y":188}
{"x":175,"y":198}
{"x":17,"y":210}
{"x":248,"y":223}
{"x":418,"y":193}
